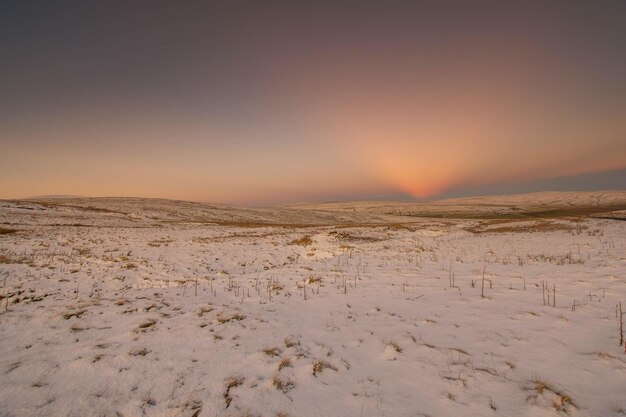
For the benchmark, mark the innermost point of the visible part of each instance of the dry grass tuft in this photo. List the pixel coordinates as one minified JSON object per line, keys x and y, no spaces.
{"x":282,"y":383}
{"x":203,"y":310}
{"x":77,"y":328}
{"x":319,"y":366}
{"x":395,"y":346}
{"x":290,"y":342}
{"x":312,"y":279}
{"x":77,"y":313}
{"x":272,"y":351}
{"x":284,"y":363}
{"x":233,"y":382}
{"x":230,"y":383}
{"x":222,"y":318}
{"x":160,"y":242}
{"x":145,"y":325}
{"x":303,"y":241}
{"x":561,"y":401}
{"x":139,"y":352}
{"x":348,"y":237}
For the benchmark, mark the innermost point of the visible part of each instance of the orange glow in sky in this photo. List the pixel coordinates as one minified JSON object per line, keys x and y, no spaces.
{"x":310,"y":102}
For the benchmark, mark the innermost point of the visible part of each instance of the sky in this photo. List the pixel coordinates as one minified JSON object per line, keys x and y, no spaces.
{"x":276,"y":102}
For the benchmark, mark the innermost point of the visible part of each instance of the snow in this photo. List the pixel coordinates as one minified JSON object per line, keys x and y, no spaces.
{"x":130,"y":307}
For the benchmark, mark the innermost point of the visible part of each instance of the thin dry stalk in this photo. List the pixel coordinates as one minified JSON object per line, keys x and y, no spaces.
{"x":482,"y":287}
{"x":621,"y":326}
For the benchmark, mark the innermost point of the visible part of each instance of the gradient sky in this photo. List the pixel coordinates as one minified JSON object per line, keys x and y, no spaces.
{"x":270,"y":102}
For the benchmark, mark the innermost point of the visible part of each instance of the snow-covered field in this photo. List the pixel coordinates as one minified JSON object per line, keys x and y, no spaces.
{"x":129,"y":307}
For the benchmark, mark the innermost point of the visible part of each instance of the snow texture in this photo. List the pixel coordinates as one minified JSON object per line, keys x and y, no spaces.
{"x":131,"y":307}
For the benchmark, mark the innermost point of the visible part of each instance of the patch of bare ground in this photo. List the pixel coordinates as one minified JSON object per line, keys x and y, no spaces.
{"x":234,"y":236}
{"x":409,"y":225}
{"x":8,"y":257}
{"x":160,"y":242}
{"x":507,"y":212}
{"x":347,"y":237}
{"x":523,"y":226}
{"x":303,"y":241}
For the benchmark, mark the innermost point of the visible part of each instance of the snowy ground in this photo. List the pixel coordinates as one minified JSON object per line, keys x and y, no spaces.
{"x":156,"y":308}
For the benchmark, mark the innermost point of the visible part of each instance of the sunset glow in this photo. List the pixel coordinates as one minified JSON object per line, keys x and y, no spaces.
{"x":268,"y":104}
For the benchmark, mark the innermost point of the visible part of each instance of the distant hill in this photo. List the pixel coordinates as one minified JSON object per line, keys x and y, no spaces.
{"x":53,"y":196}
{"x":540,"y":204}
{"x":145,"y":212}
